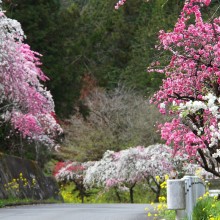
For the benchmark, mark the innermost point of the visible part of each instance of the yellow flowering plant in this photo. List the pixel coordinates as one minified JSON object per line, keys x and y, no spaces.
{"x":16,"y":185}
{"x":160,"y":209}
{"x":207,"y":208}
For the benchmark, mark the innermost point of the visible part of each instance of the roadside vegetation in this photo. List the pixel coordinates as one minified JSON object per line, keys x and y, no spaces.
{"x":142,"y":195}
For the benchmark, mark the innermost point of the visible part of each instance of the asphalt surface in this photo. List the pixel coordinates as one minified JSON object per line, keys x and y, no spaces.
{"x":76,"y":212}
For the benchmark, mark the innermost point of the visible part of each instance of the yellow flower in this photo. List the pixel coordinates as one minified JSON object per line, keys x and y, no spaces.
{"x":161,"y":206}
{"x":166,"y":177}
{"x":157,"y":178}
{"x":163,"y":185}
{"x":215,"y":197}
{"x":213,"y":218}
{"x":149,"y":214}
{"x":206,"y":195}
{"x":162,"y":199}
{"x":213,"y":205}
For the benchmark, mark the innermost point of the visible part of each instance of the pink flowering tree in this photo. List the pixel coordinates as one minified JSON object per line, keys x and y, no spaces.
{"x":191,"y":89}
{"x":24,"y":102}
{"x":126,"y":168}
{"x":66,"y":172}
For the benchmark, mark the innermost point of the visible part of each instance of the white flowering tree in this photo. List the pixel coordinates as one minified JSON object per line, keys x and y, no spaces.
{"x":24,"y":102}
{"x":128,"y":167}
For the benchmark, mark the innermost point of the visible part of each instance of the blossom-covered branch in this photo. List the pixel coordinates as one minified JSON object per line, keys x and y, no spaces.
{"x":24,"y":102}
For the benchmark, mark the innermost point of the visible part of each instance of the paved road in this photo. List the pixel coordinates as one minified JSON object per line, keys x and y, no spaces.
{"x":76,"y":212}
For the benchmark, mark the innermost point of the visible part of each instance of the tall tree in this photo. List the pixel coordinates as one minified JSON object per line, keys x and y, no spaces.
{"x":152,"y":17}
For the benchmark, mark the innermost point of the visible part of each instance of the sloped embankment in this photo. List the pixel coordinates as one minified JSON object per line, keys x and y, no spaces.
{"x":24,"y":179}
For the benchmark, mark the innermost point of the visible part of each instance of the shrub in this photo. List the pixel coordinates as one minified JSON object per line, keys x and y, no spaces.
{"x":207,"y":208}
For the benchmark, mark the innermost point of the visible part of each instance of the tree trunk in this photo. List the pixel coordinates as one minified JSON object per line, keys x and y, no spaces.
{"x":82,"y":198}
{"x":131,"y":190}
{"x":156,"y":189}
{"x":117,"y":195}
{"x":157,"y":194}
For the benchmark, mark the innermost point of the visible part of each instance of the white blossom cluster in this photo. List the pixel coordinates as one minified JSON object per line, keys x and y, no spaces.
{"x":215,"y":135}
{"x":101,"y":171}
{"x":192,"y":106}
{"x":131,"y":166}
{"x":210,"y":103}
{"x":217,"y":154}
{"x":10,"y":29}
{"x":213,"y":104}
{"x":162,"y":105}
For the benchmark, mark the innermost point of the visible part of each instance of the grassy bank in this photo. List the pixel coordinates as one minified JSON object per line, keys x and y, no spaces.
{"x":17,"y":201}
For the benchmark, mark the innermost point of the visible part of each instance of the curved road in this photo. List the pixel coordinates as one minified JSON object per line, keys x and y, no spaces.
{"x":76,"y":212}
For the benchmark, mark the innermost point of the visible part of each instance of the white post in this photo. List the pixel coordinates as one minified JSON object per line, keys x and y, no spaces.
{"x":182,"y":195}
{"x":176,"y":197}
{"x":180,"y":214}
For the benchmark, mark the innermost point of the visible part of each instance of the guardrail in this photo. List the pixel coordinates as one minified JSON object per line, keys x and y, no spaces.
{"x":182,"y":195}
{"x":214,"y":192}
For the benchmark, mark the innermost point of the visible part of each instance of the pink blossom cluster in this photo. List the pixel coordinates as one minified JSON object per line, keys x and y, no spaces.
{"x":190,"y":90}
{"x":119,"y":4}
{"x":26,"y":104}
{"x":71,"y":171}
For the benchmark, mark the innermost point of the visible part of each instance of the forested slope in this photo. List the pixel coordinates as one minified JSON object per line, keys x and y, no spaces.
{"x":77,"y":38}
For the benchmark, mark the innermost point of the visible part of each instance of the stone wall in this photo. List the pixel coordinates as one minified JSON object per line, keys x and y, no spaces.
{"x":23,"y":178}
